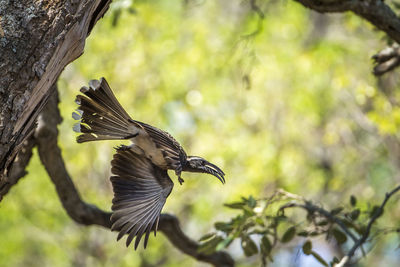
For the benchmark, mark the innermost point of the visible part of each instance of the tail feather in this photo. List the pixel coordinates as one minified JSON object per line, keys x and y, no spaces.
{"x":100,"y":114}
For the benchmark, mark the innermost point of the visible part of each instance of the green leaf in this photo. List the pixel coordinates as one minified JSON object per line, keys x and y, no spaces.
{"x":265,"y":248}
{"x":235,"y":205}
{"x":288,"y":235}
{"x":353,"y":200}
{"x":209,"y":246}
{"x":303,"y":233}
{"x":251,"y":202}
{"x":322,"y":223}
{"x":339,"y":236}
{"x":354,"y":214}
{"x":224,"y":243}
{"x":224,"y":227}
{"x":248,"y":212}
{"x":249,"y":247}
{"x":319,"y":258}
{"x":259,"y":221}
{"x":266,"y":245}
{"x":314,"y":233}
{"x":207,"y":236}
{"x":307,"y":247}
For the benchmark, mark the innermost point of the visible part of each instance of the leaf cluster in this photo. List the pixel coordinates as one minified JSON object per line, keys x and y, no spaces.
{"x":264,"y":224}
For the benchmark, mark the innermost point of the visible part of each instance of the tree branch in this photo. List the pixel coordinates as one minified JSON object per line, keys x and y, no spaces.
{"x":33,"y":57}
{"x":358,"y":242}
{"x":50,"y":154}
{"x":386,"y":60}
{"x":18,"y":167}
{"x":311,"y":208}
{"x":377,"y":13}
{"x":169,"y":226}
{"x":365,"y":236}
{"x":88,"y":214}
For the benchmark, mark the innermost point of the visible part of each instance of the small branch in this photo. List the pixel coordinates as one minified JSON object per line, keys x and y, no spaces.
{"x":386,"y":60}
{"x":50,"y":155}
{"x":365,"y":236}
{"x":329,"y":6}
{"x":375,"y":11}
{"x":169,"y":226}
{"x":255,"y":8}
{"x":88,"y":214}
{"x":18,"y":167}
{"x":378,"y":13}
{"x":311,"y":208}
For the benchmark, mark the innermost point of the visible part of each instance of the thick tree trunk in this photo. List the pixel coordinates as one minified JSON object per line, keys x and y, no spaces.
{"x":38,"y":38}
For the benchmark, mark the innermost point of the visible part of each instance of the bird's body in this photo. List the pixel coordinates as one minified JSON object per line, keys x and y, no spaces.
{"x":141,"y":183}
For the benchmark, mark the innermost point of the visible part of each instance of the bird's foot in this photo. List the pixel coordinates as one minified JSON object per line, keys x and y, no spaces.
{"x":180,"y":180}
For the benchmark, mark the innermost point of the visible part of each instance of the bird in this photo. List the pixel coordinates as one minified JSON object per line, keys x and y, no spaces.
{"x":140,"y":180}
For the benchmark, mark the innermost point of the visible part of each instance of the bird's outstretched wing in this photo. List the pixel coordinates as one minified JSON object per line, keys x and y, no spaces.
{"x":140,"y":191}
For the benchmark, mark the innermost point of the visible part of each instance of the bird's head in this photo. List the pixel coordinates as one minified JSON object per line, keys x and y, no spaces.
{"x":198,"y":164}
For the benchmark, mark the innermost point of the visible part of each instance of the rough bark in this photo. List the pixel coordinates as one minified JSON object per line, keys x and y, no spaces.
{"x":37,"y":40}
{"x":18,"y":169}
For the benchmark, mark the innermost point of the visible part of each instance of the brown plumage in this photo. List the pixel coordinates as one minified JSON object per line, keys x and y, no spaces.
{"x":141,"y":183}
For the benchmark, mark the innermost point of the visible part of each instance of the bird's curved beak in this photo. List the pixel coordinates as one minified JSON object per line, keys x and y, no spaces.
{"x":214,"y":170}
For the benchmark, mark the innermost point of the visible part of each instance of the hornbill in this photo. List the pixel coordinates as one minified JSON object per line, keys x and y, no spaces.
{"x":140,"y":180}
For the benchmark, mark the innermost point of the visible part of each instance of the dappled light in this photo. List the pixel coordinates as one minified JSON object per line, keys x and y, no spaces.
{"x":282,"y":99}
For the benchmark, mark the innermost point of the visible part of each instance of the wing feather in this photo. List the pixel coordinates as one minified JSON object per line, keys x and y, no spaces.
{"x":173,"y":151}
{"x":140,"y":191}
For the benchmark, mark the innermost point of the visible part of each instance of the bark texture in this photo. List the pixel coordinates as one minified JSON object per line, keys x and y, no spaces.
{"x":37,"y":40}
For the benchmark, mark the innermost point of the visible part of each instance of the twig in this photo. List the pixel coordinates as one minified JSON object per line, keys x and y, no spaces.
{"x":365,"y":236}
{"x":18,"y":167}
{"x":313,"y":208}
{"x":255,"y":8}
{"x":308,"y":206}
{"x":378,"y":13}
{"x":88,"y":214}
{"x":386,"y":60}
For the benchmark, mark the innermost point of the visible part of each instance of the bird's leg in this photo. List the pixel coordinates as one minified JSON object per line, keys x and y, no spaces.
{"x":178,"y":173}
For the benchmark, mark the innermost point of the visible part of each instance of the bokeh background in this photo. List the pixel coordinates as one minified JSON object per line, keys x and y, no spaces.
{"x":287,"y":101}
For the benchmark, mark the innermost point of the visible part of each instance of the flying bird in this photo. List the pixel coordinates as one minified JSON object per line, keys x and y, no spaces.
{"x":140,"y":180}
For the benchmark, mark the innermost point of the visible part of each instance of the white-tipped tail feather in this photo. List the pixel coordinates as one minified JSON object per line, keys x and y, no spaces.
{"x":100,"y":115}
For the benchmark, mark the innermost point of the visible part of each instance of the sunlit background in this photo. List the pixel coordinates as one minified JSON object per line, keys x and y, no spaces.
{"x":287,"y":101}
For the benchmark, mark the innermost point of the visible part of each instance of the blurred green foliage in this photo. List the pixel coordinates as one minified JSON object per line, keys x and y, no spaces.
{"x":284,"y":217}
{"x":276,"y":102}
